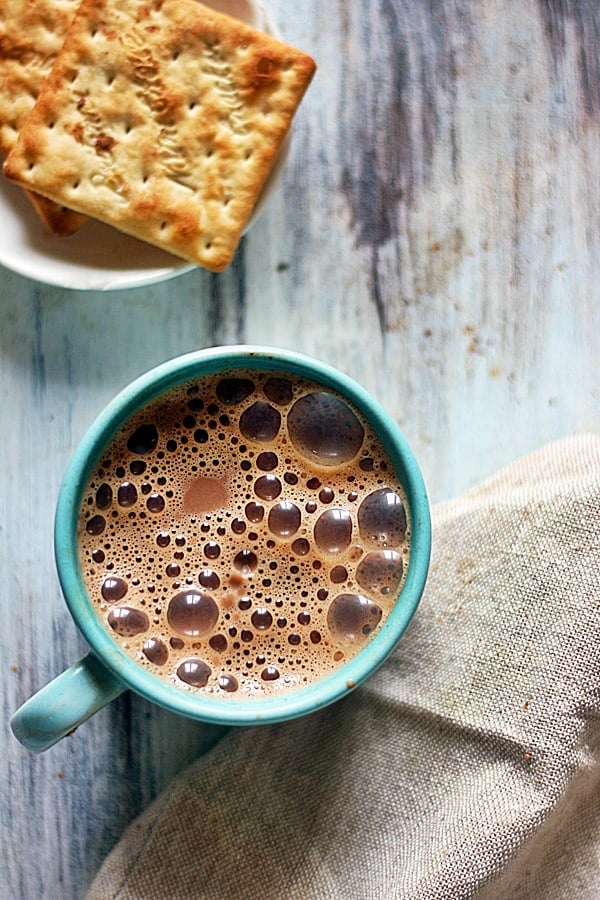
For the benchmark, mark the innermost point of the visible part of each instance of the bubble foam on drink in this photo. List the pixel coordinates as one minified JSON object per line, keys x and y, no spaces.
{"x":244,"y":534}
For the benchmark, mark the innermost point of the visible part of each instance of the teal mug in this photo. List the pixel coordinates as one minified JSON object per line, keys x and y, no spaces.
{"x":107,"y":670}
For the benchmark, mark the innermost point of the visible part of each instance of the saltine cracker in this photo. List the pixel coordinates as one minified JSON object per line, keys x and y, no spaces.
{"x":31,"y":35}
{"x":162,"y":118}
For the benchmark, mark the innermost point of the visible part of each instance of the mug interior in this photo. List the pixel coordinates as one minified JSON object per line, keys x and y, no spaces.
{"x":294,"y":702}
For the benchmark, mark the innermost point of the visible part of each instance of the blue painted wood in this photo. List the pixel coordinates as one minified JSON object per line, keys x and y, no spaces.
{"x":436,"y":236}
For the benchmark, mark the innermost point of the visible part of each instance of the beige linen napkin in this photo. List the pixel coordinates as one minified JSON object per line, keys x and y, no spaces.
{"x":466,"y":767}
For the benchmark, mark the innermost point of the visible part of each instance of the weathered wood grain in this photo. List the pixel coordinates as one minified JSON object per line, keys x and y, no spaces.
{"x":437,"y":236}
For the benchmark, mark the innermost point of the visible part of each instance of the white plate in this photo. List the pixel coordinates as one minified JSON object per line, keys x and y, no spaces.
{"x":98,"y":257}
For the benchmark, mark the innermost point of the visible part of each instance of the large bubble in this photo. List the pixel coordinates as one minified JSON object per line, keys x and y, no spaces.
{"x":233,"y":390}
{"x":278,"y":390}
{"x":324,"y":429}
{"x":194,"y":672}
{"x":113,"y":588}
{"x":284,"y":519}
{"x":382,"y":519}
{"x":352,"y":617}
{"x":192,"y":613}
{"x":127,"y":621}
{"x":156,"y":651}
{"x":380,"y":572}
{"x":260,"y":422}
{"x":333,"y":530}
{"x":143,"y":440}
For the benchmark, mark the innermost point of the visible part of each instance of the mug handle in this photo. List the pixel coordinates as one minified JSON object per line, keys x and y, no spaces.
{"x":63,"y":704}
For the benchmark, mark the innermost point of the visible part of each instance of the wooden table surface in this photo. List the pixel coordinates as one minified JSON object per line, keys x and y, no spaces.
{"x":436,"y":236}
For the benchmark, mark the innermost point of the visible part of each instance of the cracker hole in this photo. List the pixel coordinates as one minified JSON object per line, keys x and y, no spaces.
{"x":192,"y":105}
{"x":248,"y":154}
{"x":163,"y":225}
{"x":208,"y":245}
{"x":175,"y":55}
{"x":75,"y":185}
{"x":30,"y":166}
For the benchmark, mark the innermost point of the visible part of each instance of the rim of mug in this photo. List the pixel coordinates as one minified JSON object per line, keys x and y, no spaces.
{"x":210,"y":708}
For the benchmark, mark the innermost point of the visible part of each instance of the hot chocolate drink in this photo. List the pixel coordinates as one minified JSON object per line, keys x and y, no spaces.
{"x":244,"y":534}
